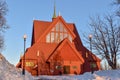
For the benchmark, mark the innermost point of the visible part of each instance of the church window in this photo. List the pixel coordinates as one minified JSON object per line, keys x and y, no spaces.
{"x":29,"y":64}
{"x":65,"y":35}
{"x":57,"y":34}
{"x":74,"y":67}
{"x":48,"y":38}
{"x":61,"y":36}
{"x":52,"y":37}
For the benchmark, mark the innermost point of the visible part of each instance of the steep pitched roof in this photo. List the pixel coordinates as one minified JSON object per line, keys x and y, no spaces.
{"x":72,"y":57}
{"x":74,"y":30}
{"x":39,"y":27}
{"x":45,"y":51}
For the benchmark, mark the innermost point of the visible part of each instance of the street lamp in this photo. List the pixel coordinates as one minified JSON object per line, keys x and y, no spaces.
{"x":23,"y":70}
{"x":91,"y":64}
{"x":90,"y":38}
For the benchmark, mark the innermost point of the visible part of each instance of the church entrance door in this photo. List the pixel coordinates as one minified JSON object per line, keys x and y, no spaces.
{"x":66,"y":69}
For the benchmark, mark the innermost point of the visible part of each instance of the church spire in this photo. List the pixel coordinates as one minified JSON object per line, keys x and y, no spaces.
{"x":54,"y":14}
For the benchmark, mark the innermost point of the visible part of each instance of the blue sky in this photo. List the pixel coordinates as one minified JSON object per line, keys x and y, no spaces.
{"x":22,"y":13}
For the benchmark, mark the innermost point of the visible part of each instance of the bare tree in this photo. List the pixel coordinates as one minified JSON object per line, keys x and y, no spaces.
{"x":3,"y":25}
{"x":106,"y":38}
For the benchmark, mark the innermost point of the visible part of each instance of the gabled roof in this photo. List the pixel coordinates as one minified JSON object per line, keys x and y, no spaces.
{"x":41,"y":28}
{"x":61,"y":45}
{"x":45,"y":51}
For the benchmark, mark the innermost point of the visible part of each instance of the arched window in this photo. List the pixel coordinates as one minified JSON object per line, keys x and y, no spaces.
{"x":57,"y":34}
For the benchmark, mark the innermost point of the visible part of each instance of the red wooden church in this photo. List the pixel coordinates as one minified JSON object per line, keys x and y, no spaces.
{"x":56,"y":48}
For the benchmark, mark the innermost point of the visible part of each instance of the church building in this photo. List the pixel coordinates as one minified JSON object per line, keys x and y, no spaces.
{"x":56,"y":49}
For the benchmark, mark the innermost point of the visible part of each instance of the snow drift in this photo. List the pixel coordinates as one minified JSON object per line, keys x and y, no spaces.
{"x":10,"y":72}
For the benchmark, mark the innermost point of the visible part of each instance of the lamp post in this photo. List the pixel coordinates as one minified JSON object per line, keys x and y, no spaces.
{"x":91,"y":64}
{"x":23,"y":70}
{"x":90,"y":38}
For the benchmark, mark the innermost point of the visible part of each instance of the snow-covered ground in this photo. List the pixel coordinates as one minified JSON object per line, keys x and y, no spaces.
{"x":98,"y":75}
{"x":10,"y":72}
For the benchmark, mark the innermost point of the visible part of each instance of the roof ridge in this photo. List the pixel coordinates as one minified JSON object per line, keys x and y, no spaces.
{"x":42,"y":21}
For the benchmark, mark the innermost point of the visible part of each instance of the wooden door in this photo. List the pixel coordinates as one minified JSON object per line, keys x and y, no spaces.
{"x":66,"y":69}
